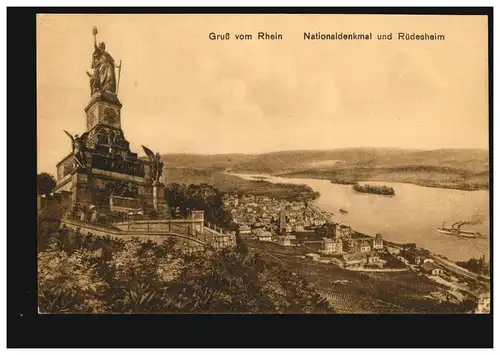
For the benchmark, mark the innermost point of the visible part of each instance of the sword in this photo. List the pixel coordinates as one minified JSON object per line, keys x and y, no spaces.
{"x":119,"y":75}
{"x":78,"y":161}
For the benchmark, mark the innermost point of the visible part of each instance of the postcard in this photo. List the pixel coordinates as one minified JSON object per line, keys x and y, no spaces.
{"x":263,"y":164}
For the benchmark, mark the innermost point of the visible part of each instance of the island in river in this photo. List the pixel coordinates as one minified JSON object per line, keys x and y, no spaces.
{"x":376,"y":190}
{"x":342,"y":182}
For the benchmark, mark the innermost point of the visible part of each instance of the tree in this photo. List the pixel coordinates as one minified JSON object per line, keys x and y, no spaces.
{"x":69,"y":283}
{"x":45,"y":183}
{"x":478,"y":266}
{"x":204,"y":197}
{"x":142,"y":273}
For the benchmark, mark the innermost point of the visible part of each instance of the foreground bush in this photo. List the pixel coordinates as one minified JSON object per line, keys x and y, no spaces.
{"x":104,"y":275}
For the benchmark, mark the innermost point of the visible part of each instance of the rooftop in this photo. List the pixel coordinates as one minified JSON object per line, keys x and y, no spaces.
{"x":428,"y":266}
{"x":355,"y":256}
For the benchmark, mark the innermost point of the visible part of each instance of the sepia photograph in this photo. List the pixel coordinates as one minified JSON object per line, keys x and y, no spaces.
{"x":263,"y":164}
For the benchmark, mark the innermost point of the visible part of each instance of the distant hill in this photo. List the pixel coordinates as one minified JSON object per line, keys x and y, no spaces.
{"x":466,"y":169}
{"x":200,"y":161}
{"x":472,"y":160}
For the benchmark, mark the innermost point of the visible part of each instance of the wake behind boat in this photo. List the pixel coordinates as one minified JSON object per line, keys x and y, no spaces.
{"x":456,"y":231}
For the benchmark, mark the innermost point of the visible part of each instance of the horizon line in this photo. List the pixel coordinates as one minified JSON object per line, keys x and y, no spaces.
{"x":324,"y":150}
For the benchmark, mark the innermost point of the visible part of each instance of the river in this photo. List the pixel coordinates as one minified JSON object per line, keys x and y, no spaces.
{"x":411,"y":216}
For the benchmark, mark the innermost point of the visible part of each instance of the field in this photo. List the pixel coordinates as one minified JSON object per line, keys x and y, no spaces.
{"x":230,"y":183}
{"x":359,"y":292}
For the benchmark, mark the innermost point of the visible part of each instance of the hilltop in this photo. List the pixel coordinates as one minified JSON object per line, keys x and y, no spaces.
{"x":471,"y":160}
{"x":475,"y":161}
{"x":201,"y":161}
{"x":466,"y":169}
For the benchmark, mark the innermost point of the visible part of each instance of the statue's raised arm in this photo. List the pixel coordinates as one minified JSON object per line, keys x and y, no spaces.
{"x":94,"y":32}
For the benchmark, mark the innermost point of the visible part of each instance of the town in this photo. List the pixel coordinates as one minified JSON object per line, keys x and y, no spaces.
{"x":311,"y":232}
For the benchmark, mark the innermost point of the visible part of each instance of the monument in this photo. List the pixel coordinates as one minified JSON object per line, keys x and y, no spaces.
{"x":101,"y":173}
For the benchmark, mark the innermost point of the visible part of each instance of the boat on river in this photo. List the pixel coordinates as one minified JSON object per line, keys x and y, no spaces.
{"x":343,"y":211}
{"x":458,"y":232}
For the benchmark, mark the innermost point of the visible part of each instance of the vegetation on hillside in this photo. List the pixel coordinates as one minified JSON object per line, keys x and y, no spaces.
{"x":473,"y":160}
{"x":182,"y":199}
{"x":477,"y":266}
{"x":205,"y":161}
{"x":366,"y":292}
{"x":226,"y":183}
{"x":45,"y":183}
{"x":86,"y":274}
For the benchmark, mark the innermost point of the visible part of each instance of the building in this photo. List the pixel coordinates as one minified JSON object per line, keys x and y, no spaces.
{"x":357,"y":245}
{"x":101,"y":170}
{"x":414,"y":256}
{"x":431,"y":269}
{"x":409,"y":246}
{"x":378,"y":242}
{"x":316,"y":222}
{"x":374,"y":259}
{"x":263,"y":236}
{"x":365,"y":246}
{"x":244,"y":229}
{"x":350,"y":246}
{"x":285,"y":240}
{"x":332,"y":246}
{"x":343,"y":232}
{"x":483,"y":302}
{"x":313,"y":256}
{"x":282,"y":221}
{"x":354,"y":260}
{"x":299,"y":227}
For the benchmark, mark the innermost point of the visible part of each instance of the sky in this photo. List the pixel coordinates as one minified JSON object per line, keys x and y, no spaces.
{"x":184,"y":93}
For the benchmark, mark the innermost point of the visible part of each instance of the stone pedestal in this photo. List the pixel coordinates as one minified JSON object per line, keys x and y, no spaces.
{"x":103,"y":108}
{"x":159,"y":203}
{"x":155,"y":196}
{"x":198,"y":221}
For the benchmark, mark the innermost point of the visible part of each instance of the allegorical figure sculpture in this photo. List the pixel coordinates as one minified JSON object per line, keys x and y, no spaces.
{"x":156,"y":164}
{"x":103,"y":76}
{"x":78,"y":146}
{"x":159,"y":166}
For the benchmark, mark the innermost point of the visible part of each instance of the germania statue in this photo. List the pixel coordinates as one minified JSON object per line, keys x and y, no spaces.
{"x":103,"y":76}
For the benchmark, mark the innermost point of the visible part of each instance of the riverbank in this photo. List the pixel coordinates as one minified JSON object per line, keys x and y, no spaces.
{"x":411,"y":216}
{"x":228,"y":183}
{"x":444,"y":179}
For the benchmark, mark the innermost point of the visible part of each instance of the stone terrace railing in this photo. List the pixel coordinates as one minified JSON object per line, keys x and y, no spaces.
{"x":114,"y":232}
